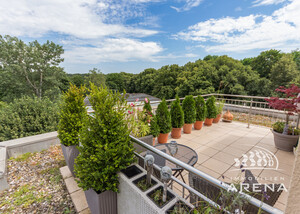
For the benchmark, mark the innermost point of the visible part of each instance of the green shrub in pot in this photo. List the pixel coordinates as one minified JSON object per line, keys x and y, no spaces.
{"x":200,"y":112}
{"x":72,"y":113}
{"x":177,"y":118}
{"x":189,"y":109}
{"x":164,"y":121}
{"x":106,"y":148}
{"x":211,"y":107}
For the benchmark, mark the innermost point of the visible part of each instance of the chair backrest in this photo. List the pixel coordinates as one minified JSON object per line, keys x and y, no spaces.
{"x":272,"y":193}
{"x":158,"y":160}
{"x":214,"y":193}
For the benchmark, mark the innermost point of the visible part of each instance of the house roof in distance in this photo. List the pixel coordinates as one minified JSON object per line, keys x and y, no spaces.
{"x":130,"y":97}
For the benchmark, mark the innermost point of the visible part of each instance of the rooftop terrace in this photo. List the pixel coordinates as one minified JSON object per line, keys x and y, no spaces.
{"x":218,"y":146}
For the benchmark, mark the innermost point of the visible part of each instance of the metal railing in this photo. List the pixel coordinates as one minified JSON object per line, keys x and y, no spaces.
{"x":264,"y":207}
{"x":248,"y":109}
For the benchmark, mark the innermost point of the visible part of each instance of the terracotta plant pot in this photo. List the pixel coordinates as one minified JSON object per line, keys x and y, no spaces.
{"x":153,"y":144}
{"x":198,"y":125}
{"x":163,"y":138}
{"x":208,"y":121}
{"x":285,"y":142}
{"x":187,"y":128}
{"x":217,"y":119}
{"x":176,"y":133}
{"x":227,"y":117}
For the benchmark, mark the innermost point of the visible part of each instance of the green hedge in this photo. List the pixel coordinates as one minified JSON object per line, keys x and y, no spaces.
{"x":188,"y":106}
{"x":72,"y":112}
{"x":28,"y":116}
{"x":106,"y":145}
{"x":200,"y":108}
{"x":163,"y":117}
{"x":211,"y":107}
{"x":177,"y":116}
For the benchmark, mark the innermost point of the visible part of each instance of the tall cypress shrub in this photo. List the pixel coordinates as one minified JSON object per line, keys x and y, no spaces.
{"x":72,"y":112}
{"x":188,"y":106}
{"x":200,"y":108}
{"x":177,"y":116}
{"x":211,"y":107}
{"x":106,"y":145}
{"x":163,"y":117}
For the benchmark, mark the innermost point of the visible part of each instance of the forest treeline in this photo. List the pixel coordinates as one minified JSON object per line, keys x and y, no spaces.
{"x":32,"y":81}
{"x":34,"y":69}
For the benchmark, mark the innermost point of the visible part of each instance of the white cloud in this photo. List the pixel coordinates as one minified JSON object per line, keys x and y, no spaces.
{"x":79,"y":18}
{"x":82,"y":24}
{"x":266,"y":2}
{"x":248,"y":32}
{"x":189,"y":4}
{"x":109,"y":50}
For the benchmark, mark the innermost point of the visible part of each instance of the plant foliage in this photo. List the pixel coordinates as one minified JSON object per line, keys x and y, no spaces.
{"x":177,"y":116}
{"x":163,"y":117}
{"x":211,"y":107}
{"x":220,"y":106}
{"x":28,"y":116}
{"x":154,"y":128}
{"x":189,"y":109}
{"x":200,"y":108}
{"x":147,"y":107}
{"x":106,"y":146}
{"x":72,"y":113}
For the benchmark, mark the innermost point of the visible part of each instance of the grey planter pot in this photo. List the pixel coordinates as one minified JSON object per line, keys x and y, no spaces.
{"x":70,"y":153}
{"x":147,"y":139}
{"x":103,"y":203}
{"x":285,"y":142}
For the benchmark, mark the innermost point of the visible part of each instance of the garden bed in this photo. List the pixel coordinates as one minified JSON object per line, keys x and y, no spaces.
{"x":36,"y":185}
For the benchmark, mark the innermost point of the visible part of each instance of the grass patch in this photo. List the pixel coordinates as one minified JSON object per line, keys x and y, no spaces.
{"x":27,"y":195}
{"x":23,"y":157}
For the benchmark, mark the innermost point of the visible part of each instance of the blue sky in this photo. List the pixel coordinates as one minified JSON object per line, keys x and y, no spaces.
{"x":132,"y":35}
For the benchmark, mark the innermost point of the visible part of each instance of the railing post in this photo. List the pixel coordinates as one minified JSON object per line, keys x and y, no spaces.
{"x":249,"y":114}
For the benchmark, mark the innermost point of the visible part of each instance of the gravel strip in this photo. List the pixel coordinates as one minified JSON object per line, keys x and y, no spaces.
{"x":36,"y":185}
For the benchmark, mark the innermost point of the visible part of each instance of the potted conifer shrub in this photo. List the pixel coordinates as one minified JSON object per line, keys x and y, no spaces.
{"x":200,"y":112}
{"x":72,"y":113}
{"x":154,"y":128}
{"x":106,"y":150}
{"x":164,"y":121}
{"x":219,"y":107}
{"x":285,"y":135}
{"x":188,"y":106}
{"x":177,"y":118}
{"x":211,"y":110}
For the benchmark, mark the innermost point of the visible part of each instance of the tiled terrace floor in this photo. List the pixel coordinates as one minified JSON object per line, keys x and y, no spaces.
{"x":217,"y":147}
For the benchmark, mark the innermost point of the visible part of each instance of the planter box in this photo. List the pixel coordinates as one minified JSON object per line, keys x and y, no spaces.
{"x":184,"y":207}
{"x":134,"y":201}
{"x":285,"y":142}
{"x":70,"y":153}
{"x":147,"y":139}
{"x":105,"y":202}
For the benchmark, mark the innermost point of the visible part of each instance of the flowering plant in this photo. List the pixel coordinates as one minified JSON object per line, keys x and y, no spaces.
{"x":138,"y":121}
{"x":289,"y":104}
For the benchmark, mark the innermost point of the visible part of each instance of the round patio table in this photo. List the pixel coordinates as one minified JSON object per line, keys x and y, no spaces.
{"x":184,"y":154}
